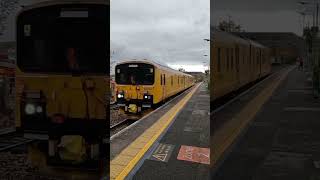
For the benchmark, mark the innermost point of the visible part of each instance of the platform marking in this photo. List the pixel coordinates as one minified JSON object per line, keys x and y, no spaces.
{"x":138,"y":148}
{"x":194,"y":154}
{"x":301,"y":109}
{"x":162,"y":153}
{"x":226,"y":135}
{"x":307,"y":91}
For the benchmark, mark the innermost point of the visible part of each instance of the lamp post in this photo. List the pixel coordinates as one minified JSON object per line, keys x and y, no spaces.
{"x":314,"y":39}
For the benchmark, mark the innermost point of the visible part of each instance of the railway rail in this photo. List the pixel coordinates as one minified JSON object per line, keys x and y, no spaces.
{"x":11,"y":140}
{"x":121,"y":125}
{"x":242,"y":92}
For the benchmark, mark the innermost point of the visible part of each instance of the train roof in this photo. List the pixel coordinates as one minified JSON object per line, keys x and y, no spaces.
{"x":226,"y":37}
{"x":59,"y":2}
{"x":221,"y":36}
{"x":158,"y":65}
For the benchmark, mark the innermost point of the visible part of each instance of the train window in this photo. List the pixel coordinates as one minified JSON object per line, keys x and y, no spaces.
{"x":219,"y":60}
{"x":143,"y":74}
{"x":178,"y":80}
{"x":161,"y":79}
{"x":171,"y":80}
{"x":50,"y":43}
{"x":164,"y":79}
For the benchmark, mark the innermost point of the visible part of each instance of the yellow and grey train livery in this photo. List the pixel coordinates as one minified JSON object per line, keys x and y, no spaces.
{"x":142,"y":84}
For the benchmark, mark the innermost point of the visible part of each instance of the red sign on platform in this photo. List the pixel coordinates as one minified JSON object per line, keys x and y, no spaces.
{"x":194,"y":154}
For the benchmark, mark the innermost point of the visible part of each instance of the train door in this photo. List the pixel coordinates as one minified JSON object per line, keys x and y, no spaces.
{"x":250,"y":66}
{"x":237,"y":66}
{"x":163,"y":86}
{"x":260,"y":62}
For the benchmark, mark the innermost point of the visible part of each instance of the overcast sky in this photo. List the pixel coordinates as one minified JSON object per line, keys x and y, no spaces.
{"x":167,"y":31}
{"x":261,"y":15}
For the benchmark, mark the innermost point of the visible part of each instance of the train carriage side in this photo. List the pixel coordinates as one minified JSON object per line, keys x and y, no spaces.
{"x":236,"y":62}
{"x":240,"y":70}
{"x":169,"y":82}
{"x":258,"y":52}
{"x":219,"y":61}
{"x":226,"y":54}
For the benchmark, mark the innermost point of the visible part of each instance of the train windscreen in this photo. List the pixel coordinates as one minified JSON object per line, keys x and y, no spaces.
{"x":135,"y":74}
{"x":64,"y":39}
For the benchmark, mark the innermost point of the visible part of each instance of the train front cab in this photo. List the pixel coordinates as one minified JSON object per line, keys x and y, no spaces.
{"x":60,"y":80}
{"x":135,"y":86}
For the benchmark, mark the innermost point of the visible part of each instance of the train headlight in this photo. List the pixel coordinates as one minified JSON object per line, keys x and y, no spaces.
{"x":147,"y":96}
{"x":39,"y":109}
{"x":120,"y":96}
{"x":30,"y":109}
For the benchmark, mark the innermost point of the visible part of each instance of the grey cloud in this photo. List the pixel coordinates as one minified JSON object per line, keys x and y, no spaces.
{"x":167,"y":30}
{"x":255,"y":5}
{"x":262,"y":15}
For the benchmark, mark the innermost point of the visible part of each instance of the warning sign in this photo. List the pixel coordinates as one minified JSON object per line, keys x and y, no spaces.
{"x":194,"y":154}
{"x":162,"y":152}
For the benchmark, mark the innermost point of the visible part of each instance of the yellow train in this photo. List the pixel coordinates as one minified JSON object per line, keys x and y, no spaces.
{"x":142,"y":84}
{"x":62,"y":63}
{"x":235,"y":62}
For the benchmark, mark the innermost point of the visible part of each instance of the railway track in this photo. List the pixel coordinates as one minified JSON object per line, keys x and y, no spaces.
{"x":229,"y":100}
{"x":240,"y":94}
{"x":121,"y":125}
{"x":11,"y":140}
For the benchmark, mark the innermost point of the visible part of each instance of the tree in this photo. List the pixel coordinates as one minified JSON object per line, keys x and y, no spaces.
{"x":182,"y":70}
{"x":229,"y":26}
{"x":6,"y":7}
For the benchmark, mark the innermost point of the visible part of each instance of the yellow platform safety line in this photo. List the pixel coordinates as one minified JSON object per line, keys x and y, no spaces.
{"x":123,"y":163}
{"x":226,"y":135}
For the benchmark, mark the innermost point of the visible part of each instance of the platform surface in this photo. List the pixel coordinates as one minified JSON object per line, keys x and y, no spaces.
{"x":282,"y":141}
{"x":183,"y":151}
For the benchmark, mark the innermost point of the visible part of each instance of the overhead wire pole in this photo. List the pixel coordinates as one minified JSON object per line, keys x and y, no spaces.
{"x":317,"y":13}
{"x":312,"y":57}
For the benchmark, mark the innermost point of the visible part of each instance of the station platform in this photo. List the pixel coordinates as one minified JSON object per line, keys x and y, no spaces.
{"x":271,"y":133}
{"x":170,"y":143}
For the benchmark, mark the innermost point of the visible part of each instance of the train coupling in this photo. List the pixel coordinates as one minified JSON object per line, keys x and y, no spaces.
{"x":133,"y":108}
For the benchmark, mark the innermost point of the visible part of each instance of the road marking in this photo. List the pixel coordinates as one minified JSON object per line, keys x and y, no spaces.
{"x":194,"y":154}
{"x":137,"y":148}
{"x":225,"y":136}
